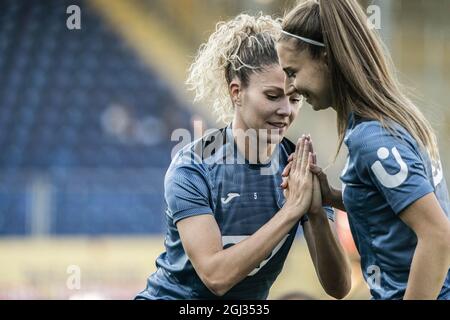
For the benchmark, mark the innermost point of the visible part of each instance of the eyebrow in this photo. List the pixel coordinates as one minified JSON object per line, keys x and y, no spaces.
{"x":273,"y":87}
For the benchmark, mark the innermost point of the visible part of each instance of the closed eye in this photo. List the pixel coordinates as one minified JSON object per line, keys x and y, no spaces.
{"x":296,"y":99}
{"x":272,"y":97}
{"x":289,"y":73}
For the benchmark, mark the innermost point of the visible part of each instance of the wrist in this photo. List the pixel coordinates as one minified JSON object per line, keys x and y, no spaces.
{"x":336,"y":198}
{"x":293,"y":211}
{"x":318,"y":215}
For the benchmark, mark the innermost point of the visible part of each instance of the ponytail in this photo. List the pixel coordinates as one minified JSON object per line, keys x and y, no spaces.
{"x":237,"y":48}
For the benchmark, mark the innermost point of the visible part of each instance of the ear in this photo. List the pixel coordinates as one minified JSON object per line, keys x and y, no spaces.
{"x":235,"y":92}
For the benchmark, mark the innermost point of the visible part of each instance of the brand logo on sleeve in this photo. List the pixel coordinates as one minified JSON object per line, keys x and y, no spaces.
{"x":390,"y":180}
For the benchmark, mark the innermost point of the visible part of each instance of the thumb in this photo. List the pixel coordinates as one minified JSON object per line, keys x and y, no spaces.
{"x":291,"y":157}
{"x":314,"y":168}
{"x":287,"y":170}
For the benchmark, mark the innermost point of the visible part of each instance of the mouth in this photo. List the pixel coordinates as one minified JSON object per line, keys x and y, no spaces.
{"x":278,"y":125}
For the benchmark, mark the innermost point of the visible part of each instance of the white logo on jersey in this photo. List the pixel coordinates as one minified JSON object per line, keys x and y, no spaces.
{"x":437,"y":172}
{"x":386,"y":179}
{"x":226,"y":240}
{"x":230,"y":197}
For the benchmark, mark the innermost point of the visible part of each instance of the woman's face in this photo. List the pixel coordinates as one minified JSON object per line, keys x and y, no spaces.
{"x":263,"y":105}
{"x":305,"y":76}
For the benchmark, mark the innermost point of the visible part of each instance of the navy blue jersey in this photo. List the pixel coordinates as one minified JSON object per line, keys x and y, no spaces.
{"x":209,"y":176}
{"x":385,"y":174}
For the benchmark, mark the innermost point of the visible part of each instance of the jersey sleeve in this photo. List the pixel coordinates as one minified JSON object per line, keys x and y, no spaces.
{"x":393,"y":165}
{"x":187,"y":192}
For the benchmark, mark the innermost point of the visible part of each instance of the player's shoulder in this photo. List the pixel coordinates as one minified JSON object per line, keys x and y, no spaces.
{"x":198,"y":154}
{"x":370,"y":135}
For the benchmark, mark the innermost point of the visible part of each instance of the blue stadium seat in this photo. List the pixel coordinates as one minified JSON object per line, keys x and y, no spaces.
{"x":56,"y":86}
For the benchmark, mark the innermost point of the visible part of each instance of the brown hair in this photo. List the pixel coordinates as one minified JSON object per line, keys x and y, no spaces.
{"x":363,"y":77}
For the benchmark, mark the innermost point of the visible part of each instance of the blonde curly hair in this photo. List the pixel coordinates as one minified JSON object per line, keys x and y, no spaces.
{"x":238,"y":48}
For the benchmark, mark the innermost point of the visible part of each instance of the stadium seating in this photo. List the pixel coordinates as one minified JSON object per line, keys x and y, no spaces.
{"x":78,"y":108}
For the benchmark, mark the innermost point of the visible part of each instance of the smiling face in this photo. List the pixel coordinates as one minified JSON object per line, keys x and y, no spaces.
{"x":262,"y":104}
{"x":304,"y":75}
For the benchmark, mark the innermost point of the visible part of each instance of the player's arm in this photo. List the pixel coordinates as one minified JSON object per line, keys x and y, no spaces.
{"x":221,"y":269}
{"x":410,"y":194}
{"x":329,"y":259}
{"x":331,"y":197}
{"x":431,"y":260}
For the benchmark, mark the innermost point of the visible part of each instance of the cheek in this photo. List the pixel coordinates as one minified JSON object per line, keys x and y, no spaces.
{"x":262,"y":107}
{"x":322,"y":81}
{"x":255,"y":110}
{"x":295,"y":111}
{"x":325,"y":94}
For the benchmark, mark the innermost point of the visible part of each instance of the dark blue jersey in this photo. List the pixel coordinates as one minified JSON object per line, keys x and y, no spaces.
{"x":209,"y":176}
{"x":383,"y":176}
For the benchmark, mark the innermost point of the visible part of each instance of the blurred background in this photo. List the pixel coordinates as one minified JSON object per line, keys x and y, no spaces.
{"x":86,"y":118}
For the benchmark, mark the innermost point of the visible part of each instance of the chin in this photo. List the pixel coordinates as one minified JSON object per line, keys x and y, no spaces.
{"x":275,"y":138}
{"x":319,"y":108}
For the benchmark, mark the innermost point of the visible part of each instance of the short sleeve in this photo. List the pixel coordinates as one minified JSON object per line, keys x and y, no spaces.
{"x":392,"y":164}
{"x":187,"y":193}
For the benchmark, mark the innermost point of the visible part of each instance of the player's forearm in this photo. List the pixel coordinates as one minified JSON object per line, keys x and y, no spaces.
{"x":230,"y":266}
{"x":330,"y":260}
{"x":429,"y":268}
{"x":336,"y":199}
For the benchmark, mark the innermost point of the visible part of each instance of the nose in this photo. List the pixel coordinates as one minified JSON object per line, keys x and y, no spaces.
{"x":289,"y":87}
{"x":285,"y":108}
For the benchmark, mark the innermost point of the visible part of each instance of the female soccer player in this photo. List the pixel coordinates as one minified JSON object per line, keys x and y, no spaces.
{"x":229,"y":226}
{"x":393,"y":187}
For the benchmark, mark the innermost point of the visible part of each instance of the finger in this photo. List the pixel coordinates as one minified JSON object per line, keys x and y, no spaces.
{"x":284,"y":184}
{"x":311,"y":145}
{"x":315,"y":169}
{"x":298,"y":154}
{"x":297,"y":148}
{"x":291,"y":157}
{"x":305,"y":158}
{"x":287,"y":170}
{"x":308,"y":161}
